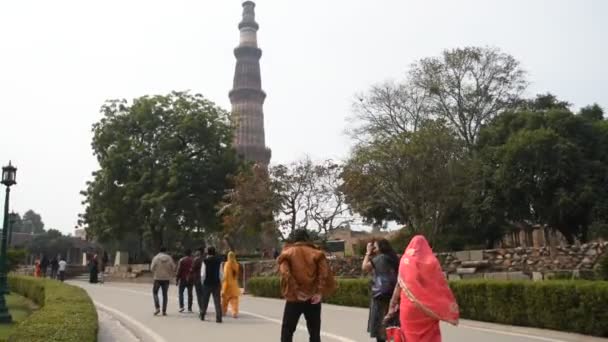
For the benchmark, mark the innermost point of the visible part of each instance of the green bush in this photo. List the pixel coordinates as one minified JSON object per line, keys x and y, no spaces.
{"x":602,"y":268}
{"x":15,"y":257}
{"x":67,"y":313}
{"x":573,"y":306}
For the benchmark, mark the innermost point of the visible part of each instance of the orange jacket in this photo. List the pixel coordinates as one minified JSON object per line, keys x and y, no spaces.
{"x":304,"y":272}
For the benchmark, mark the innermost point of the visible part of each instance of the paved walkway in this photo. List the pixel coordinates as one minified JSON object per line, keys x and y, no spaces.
{"x":126,"y":315}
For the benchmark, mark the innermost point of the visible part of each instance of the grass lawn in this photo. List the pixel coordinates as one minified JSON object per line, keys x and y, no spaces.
{"x":19,"y":307}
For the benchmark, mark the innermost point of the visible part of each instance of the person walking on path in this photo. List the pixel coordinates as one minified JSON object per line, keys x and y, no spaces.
{"x":184,"y":279}
{"x":163,"y":270}
{"x":195,"y":274}
{"x":62,"y":266}
{"x":211,"y":279}
{"x":37,"y":271}
{"x":422,"y":297}
{"x":230,"y":286}
{"x":93,"y":270}
{"x":44,"y":265}
{"x":305,"y":280}
{"x":54,"y":267}
{"x":382,"y":261}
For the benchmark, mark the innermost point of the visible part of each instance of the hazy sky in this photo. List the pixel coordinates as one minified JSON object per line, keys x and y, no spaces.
{"x":59,"y":61}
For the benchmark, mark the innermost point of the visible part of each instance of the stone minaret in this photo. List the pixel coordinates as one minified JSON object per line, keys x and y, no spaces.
{"x":247,"y":97}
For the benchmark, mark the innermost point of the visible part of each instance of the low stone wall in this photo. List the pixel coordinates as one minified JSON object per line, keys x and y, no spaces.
{"x":510,"y":263}
{"x":135,"y":273}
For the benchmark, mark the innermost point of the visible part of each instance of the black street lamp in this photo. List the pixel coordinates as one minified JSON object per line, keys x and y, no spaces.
{"x":9,"y":178}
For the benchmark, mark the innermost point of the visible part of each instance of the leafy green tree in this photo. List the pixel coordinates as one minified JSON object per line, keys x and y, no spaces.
{"x":164,"y":163}
{"x":545,"y":169}
{"x":594,"y":112}
{"x":32,"y":223}
{"x":416,"y":177}
{"x":50,"y":243}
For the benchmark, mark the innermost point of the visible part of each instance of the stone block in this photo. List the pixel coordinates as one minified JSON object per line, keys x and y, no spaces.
{"x":463,"y":255}
{"x":476,"y":255}
{"x":496,"y":276}
{"x":466,"y":270}
{"x":537,"y":276}
{"x":480,"y":263}
{"x":517,"y":276}
{"x":452,"y":276}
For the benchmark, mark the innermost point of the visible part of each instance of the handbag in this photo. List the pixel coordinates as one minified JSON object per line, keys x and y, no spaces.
{"x":394,"y":334}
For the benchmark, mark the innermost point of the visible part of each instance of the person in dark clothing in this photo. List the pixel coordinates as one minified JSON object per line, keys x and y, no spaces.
{"x":93,"y":270}
{"x":184,"y":279}
{"x":383,"y":263}
{"x":44,"y":265}
{"x":54,"y":267}
{"x":211,"y":279}
{"x":195,"y":274}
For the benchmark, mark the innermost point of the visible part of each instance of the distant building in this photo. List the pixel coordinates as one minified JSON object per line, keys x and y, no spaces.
{"x":80,"y":233}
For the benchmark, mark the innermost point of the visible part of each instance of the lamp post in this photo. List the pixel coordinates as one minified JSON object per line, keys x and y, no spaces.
{"x":9,"y":178}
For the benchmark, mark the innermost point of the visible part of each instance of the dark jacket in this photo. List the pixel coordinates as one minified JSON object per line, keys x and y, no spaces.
{"x":195,"y":270}
{"x":213,"y":271}
{"x":184,"y":268}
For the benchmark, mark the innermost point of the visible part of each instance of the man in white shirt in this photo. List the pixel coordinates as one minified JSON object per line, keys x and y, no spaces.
{"x":63,"y":265}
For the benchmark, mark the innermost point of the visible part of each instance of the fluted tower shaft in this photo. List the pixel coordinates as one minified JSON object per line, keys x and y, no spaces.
{"x":247,"y":97}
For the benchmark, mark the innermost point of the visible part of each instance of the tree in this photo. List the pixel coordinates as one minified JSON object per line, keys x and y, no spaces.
{"x":388,"y":110}
{"x":328,"y":207}
{"x":415,"y":177}
{"x":594,"y":112}
{"x":293,"y":184}
{"x":542,"y":102}
{"x":248,"y":210}
{"x":164,"y":162}
{"x":547,"y":167}
{"x":16,"y":222}
{"x":469,"y":86}
{"x":50,"y":243}
{"x":32,"y":223}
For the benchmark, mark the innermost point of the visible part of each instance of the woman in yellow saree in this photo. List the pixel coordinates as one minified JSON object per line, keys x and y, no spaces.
{"x":230,"y":286}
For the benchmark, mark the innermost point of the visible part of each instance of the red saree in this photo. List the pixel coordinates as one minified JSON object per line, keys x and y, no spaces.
{"x":426,"y":297}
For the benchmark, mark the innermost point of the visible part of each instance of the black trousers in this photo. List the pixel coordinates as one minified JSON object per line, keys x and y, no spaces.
{"x":164,"y":285}
{"x":215,"y":291}
{"x":291,"y":316}
{"x":185,"y":285}
{"x":62,"y":275}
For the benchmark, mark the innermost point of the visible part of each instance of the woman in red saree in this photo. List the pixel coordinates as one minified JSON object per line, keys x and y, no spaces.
{"x":422,"y":297}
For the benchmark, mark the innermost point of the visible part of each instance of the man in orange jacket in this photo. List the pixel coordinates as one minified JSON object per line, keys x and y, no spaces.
{"x":305,"y":280}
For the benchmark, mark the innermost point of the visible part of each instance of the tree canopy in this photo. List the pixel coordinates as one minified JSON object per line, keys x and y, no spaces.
{"x":164,"y":166}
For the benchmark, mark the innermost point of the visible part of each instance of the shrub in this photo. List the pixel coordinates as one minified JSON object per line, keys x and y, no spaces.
{"x":15,"y":257}
{"x":67,"y":313}
{"x":573,"y":306}
{"x":602,"y":268}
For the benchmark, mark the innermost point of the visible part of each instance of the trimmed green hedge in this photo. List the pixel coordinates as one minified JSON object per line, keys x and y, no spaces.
{"x":67,"y":313}
{"x":572,"y":306}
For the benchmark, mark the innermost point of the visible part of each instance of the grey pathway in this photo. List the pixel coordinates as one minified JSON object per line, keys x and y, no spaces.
{"x":130,"y":305}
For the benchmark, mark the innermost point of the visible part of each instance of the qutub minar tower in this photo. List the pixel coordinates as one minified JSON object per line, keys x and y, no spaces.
{"x":247,"y":97}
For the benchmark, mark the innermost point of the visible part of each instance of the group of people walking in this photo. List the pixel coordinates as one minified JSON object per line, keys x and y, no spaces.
{"x":410,"y":294}
{"x":206,"y":273}
{"x":57,"y":267}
